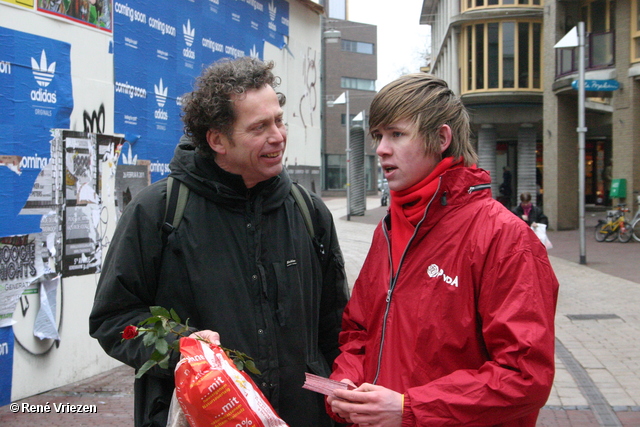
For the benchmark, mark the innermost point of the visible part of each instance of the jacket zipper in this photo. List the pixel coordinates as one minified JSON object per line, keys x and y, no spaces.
{"x":394,"y":279}
{"x":479,"y":187}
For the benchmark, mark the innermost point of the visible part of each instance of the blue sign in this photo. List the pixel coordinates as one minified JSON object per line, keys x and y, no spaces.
{"x":598,"y":85}
{"x":162,"y":46}
{"x":35,"y":97}
{"x":6,"y":364}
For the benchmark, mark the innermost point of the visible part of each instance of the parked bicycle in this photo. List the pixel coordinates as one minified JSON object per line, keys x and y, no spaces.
{"x":635,"y":222}
{"x":615,"y":226}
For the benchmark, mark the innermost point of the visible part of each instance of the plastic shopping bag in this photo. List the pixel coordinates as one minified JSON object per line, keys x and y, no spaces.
{"x":176,"y":414}
{"x":213,"y":392}
{"x":541,"y":232}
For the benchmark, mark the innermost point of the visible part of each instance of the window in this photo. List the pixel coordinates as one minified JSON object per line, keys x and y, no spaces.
{"x":493,"y":54}
{"x":357,"y":47}
{"x":599,"y":18}
{"x":502,"y":55}
{"x":508,"y":54}
{"x":479,"y":67}
{"x":536,"y":55}
{"x":481,"y":4}
{"x":359,"y":84}
{"x":336,"y":172}
{"x":635,"y":30}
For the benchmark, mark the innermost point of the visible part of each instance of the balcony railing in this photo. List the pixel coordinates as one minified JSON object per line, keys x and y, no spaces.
{"x":599,"y":53}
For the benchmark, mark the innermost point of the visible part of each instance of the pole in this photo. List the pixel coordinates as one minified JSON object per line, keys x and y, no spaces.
{"x":582,"y":130}
{"x":348,"y":150}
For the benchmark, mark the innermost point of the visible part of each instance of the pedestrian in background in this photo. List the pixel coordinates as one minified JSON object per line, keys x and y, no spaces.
{"x":505,"y":187}
{"x":530,"y":213}
{"x":241,"y":266}
{"x":451,"y":320}
{"x":607,"y":177}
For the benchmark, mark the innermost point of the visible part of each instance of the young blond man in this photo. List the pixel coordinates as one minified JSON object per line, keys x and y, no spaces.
{"x":451,"y":320}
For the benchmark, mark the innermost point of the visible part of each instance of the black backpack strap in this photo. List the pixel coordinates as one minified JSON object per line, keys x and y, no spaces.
{"x":177,"y":195}
{"x":307,"y":209}
{"x":305,"y":204}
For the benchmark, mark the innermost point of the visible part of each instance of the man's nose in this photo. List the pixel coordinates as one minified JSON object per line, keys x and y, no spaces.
{"x":276,"y":134}
{"x":383,"y":147}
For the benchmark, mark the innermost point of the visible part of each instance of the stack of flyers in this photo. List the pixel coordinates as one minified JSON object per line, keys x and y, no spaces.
{"x":324,"y":385}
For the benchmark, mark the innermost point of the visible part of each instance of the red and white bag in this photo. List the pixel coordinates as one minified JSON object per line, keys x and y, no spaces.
{"x":213,"y":392}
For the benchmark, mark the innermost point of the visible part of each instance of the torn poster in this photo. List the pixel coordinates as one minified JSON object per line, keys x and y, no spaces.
{"x":20,"y":265}
{"x":46,"y":326}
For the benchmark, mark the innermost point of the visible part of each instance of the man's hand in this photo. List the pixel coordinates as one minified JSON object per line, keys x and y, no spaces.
{"x":331,"y":399}
{"x":211,"y":336}
{"x":368,"y":405}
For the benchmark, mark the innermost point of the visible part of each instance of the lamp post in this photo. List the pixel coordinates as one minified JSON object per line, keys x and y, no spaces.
{"x":575,"y":38}
{"x":344,"y":99}
{"x":582,"y":130}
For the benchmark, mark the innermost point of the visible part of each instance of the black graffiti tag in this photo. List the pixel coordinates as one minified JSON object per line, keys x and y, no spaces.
{"x":94,"y":122}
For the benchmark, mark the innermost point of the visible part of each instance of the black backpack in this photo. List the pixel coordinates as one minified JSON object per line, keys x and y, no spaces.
{"x":177,"y":196}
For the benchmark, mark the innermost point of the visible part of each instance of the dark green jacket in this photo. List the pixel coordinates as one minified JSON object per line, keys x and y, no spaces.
{"x":241,"y":263}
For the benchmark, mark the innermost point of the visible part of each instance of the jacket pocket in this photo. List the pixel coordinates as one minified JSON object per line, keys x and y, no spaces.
{"x":282,"y":292}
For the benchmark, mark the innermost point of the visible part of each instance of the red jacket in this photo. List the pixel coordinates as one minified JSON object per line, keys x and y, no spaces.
{"x":466,"y":329}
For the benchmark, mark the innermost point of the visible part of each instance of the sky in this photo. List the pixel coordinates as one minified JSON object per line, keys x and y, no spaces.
{"x":401,"y":38}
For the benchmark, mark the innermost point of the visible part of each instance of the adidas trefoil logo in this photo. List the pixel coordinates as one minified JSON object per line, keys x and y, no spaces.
{"x":272,"y":11}
{"x":42,"y":72}
{"x":161,"y":93}
{"x":254,"y":52}
{"x":189,"y":33}
{"x":130,"y":159}
{"x":161,"y":99}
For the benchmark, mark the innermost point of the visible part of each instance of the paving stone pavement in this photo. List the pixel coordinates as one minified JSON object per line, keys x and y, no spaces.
{"x":597,"y":379}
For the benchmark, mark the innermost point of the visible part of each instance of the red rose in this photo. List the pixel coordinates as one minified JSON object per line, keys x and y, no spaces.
{"x":130,"y":332}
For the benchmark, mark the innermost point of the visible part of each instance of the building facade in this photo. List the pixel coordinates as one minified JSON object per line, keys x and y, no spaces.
{"x":58,"y":71}
{"x":349,"y":67}
{"x":611,"y":117}
{"x":499,"y":56}
{"x":489,"y":51}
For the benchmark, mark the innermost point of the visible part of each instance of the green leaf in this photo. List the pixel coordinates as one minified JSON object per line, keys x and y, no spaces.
{"x":175,"y":316}
{"x":159,"y":311}
{"x":147,"y":365}
{"x":162,"y":346}
{"x":149,"y":339}
{"x":164,"y":363}
{"x":149,"y":320}
{"x":239,"y":364}
{"x":159,"y":329}
{"x":157,"y":356}
{"x":251,"y":366}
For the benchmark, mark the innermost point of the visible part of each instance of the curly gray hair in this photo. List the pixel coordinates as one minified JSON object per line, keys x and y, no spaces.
{"x":210,"y":104}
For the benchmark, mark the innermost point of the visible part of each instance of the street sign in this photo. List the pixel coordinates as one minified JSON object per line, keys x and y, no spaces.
{"x":598,"y":85}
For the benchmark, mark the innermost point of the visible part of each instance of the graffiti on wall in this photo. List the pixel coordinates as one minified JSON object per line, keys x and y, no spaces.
{"x":94,"y":121}
{"x":309,"y":99}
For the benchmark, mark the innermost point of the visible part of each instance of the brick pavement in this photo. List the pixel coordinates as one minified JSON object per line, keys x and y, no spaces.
{"x":606,"y":348}
{"x":111,"y":393}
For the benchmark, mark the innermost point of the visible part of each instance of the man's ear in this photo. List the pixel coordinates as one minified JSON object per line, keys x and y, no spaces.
{"x":215,"y":141}
{"x":444,"y":135}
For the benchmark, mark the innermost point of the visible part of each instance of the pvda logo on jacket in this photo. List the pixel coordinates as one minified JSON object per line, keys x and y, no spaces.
{"x":435,"y":271}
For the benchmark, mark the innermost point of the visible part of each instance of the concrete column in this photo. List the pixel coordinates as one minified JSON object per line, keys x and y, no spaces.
{"x":487,"y":155}
{"x":527,"y":162}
